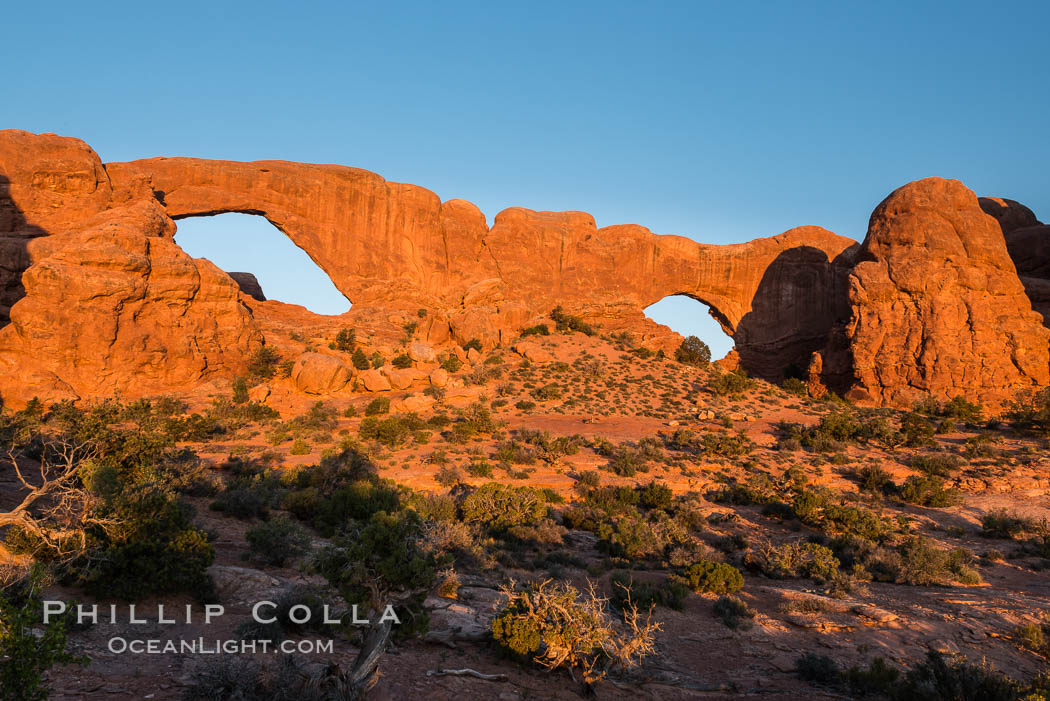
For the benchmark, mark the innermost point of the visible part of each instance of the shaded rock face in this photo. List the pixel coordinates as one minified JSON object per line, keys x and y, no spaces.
{"x":936,"y":304}
{"x":101,"y":299}
{"x":1028,"y":242}
{"x":249,"y":285}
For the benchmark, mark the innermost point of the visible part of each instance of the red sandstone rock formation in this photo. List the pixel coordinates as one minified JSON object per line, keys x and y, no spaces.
{"x":105,"y":301}
{"x":937,"y":307}
{"x":111,"y":303}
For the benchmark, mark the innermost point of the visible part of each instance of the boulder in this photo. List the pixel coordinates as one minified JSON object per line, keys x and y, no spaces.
{"x":422,"y":353}
{"x":533,"y":352}
{"x":317,"y":373}
{"x":936,"y":305}
{"x":374,"y":381}
{"x":439,"y":377}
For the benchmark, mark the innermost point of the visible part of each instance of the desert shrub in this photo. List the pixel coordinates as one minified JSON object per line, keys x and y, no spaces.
{"x":918,"y":561}
{"x":1030,"y":411}
{"x":240,"y":391}
{"x":472,"y":343}
{"x":380,"y":560}
{"x":939,"y":678}
{"x":727,"y":445}
{"x":935,"y":465}
{"x":26,"y":651}
{"x":379,"y":405}
{"x":820,"y":669}
{"x":345,"y":340}
{"x":450,"y":363}
{"x":557,"y":626}
{"x":879,"y":678}
{"x":360,"y":359}
{"x":448,"y":476}
{"x":479,"y":468}
{"x":278,"y":541}
{"x":729,"y":383}
{"x":567,"y":322}
{"x":873,"y":478}
{"x":671,"y":592}
{"x":357,"y":500}
{"x":627,"y":460}
{"x":734,"y":612}
{"x":525,"y":405}
{"x":262,"y":364}
{"x":795,"y":386}
{"x":927,"y":490}
{"x":402,"y":361}
{"x":243,"y":500}
{"x":713,"y":578}
{"x":299,"y":447}
{"x":798,"y":559}
{"x":548,"y":392}
{"x":159,"y":552}
{"x":1033,"y":636}
{"x":916,"y":429}
{"x":693,"y":351}
{"x":499,"y":506}
{"x":392,"y":431}
{"x":655,"y":495}
{"x":1002,"y":524}
{"x":538,"y":330}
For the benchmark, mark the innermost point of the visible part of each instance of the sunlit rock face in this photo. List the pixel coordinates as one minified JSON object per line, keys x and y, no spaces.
{"x":89,"y":246}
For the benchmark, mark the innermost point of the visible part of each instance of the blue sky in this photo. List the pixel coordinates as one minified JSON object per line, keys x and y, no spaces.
{"x":719,"y":121}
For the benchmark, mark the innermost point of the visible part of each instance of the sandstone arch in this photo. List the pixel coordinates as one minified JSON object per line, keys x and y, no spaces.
{"x":102,"y":300}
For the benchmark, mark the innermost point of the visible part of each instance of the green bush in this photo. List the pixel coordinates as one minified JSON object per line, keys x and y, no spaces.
{"x":729,"y":383}
{"x":240,"y":391}
{"x":936,"y":465}
{"x":568,"y":322}
{"x":380,"y":561}
{"x":263,"y":363}
{"x":499,"y":506}
{"x":734,"y":612}
{"x":402,"y":361}
{"x":360,"y":360}
{"x":714,"y":578}
{"x":817,"y":668}
{"x":538,"y":330}
{"x":928,"y":491}
{"x":693,"y":351}
{"x":278,"y":541}
{"x":26,"y":652}
{"x":345,"y":340}
{"x":379,"y":405}
{"x":799,"y":559}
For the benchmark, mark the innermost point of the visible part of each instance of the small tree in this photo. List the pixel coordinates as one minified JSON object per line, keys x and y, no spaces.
{"x":26,"y":655}
{"x":345,"y":340}
{"x":693,"y":351}
{"x":360,"y":360}
{"x":240,"y":391}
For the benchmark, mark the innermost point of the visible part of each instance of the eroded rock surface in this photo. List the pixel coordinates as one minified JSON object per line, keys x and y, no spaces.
{"x":101,"y":299}
{"x":936,"y":303}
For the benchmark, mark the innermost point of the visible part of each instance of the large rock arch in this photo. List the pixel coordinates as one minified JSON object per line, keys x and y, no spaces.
{"x":101,"y":299}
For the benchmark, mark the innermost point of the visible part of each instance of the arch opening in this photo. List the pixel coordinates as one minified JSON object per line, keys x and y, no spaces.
{"x":689,"y":316}
{"x":248,"y":243}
